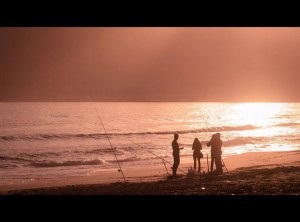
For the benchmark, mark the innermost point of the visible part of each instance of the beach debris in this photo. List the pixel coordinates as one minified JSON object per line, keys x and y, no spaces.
{"x":191,"y":171}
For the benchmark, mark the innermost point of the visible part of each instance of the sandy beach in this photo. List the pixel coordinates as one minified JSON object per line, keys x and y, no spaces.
{"x":261,"y":173}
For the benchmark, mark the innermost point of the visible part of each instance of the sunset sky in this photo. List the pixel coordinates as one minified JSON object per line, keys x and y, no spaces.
{"x":150,"y":64}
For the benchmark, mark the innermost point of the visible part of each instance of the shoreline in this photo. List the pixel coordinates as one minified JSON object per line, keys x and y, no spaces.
{"x":244,"y":169}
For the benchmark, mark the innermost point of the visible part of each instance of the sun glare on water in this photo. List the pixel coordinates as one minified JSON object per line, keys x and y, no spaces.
{"x":265,"y":117}
{"x":259,"y":114}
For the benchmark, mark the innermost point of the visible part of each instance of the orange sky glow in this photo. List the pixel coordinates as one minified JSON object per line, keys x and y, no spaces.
{"x":199,"y":64}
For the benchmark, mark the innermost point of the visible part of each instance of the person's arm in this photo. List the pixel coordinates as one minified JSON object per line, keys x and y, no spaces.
{"x":209,"y":143}
{"x":179,"y":147}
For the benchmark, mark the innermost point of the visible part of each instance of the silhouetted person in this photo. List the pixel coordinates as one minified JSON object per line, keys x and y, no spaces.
{"x":197,"y":153}
{"x":216,"y":152}
{"x":212,"y":153}
{"x":176,"y":149}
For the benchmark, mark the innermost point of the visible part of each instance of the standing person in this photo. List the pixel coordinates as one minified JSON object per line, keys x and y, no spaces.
{"x":176,"y":149}
{"x":197,"y":146}
{"x":216,"y":152}
{"x":212,"y":152}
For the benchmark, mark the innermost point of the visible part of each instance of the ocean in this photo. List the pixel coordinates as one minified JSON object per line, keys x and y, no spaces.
{"x":61,"y":140}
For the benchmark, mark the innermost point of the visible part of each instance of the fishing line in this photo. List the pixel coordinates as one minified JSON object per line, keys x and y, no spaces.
{"x":164,"y":161}
{"x":120,"y":169}
{"x":211,"y":135}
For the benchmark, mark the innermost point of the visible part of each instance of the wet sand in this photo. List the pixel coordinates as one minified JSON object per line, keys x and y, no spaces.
{"x":266,"y":173}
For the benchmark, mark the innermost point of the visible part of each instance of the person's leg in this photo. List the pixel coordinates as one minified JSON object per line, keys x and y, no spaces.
{"x":212,"y":163}
{"x":219,"y":167}
{"x":194,"y":161}
{"x":199,"y":165}
{"x":175,"y":165}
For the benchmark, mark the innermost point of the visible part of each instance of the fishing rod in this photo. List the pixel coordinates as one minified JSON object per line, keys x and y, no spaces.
{"x":120,"y":169}
{"x":164,"y":161}
{"x":207,"y":162}
{"x":211,"y":135}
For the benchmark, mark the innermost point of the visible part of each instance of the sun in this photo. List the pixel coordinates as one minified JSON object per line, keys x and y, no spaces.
{"x":259,"y":114}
